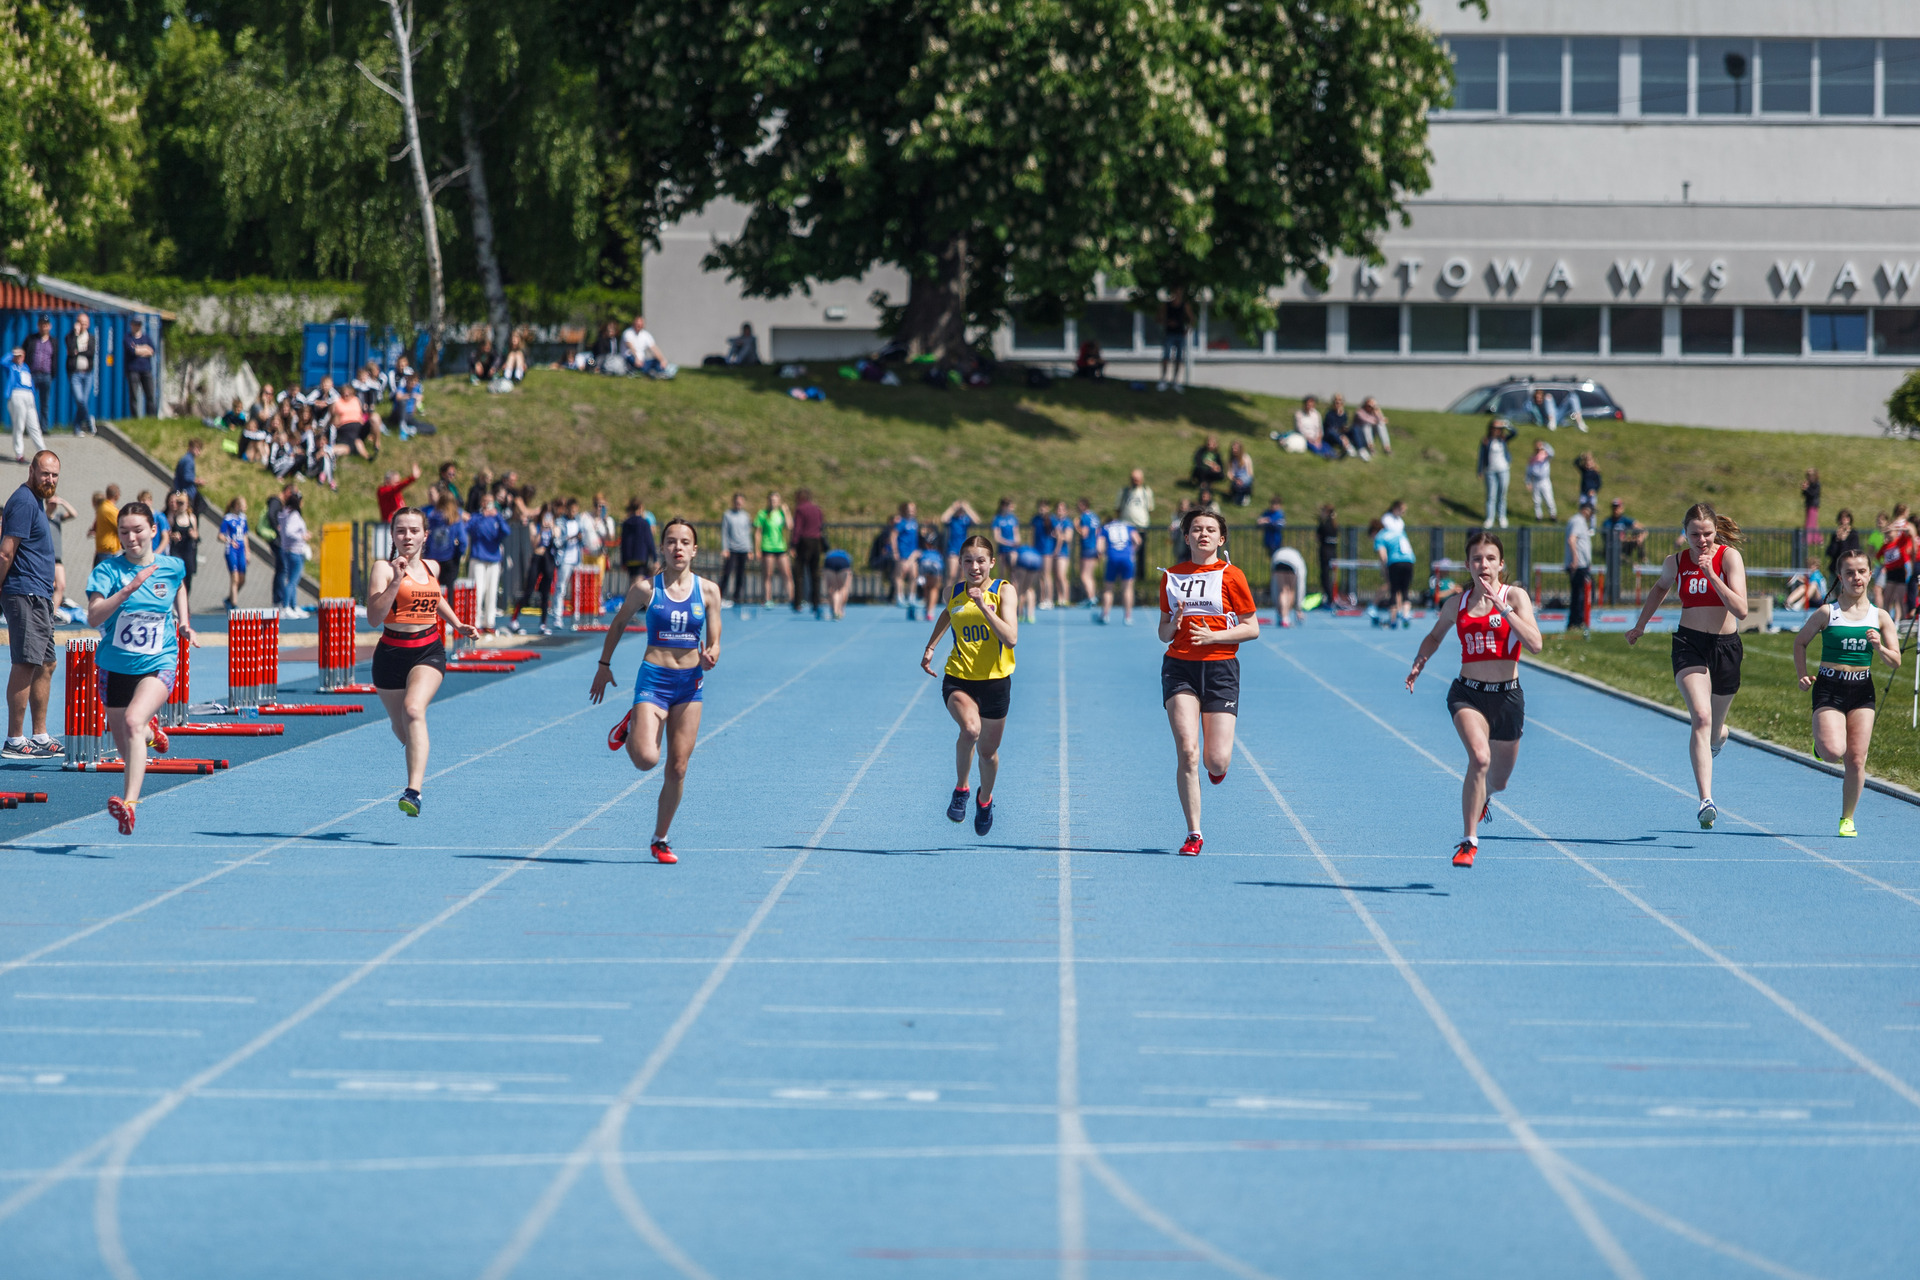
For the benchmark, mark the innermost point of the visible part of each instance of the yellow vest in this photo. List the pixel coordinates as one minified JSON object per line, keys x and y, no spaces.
{"x":977,"y":651}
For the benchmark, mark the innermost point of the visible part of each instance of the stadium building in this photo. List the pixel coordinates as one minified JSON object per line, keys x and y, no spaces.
{"x":1709,"y":208}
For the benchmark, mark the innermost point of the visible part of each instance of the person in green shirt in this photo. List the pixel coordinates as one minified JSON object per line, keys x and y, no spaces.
{"x":770,"y":526}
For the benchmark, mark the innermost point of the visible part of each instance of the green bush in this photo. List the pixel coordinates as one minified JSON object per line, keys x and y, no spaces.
{"x":1903,"y":406}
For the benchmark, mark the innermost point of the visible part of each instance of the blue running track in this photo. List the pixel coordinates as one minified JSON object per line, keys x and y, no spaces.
{"x":285,"y":1032}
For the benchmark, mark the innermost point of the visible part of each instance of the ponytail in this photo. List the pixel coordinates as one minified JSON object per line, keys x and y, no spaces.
{"x":1725,"y":531}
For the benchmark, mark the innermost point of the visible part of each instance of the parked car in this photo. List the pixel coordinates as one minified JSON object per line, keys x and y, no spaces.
{"x":1510,"y":397}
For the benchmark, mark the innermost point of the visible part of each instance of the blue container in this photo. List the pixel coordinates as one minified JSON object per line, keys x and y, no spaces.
{"x":111,"y":398}
{"x":337,"y":349}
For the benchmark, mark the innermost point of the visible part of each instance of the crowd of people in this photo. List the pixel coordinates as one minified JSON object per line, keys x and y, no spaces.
{"x":304,"y":432}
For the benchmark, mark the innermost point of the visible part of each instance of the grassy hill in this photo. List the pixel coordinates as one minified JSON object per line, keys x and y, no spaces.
{"x":686,"y":445}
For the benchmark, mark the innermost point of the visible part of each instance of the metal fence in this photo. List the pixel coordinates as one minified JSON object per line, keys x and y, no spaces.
{"x":1625,"y":565}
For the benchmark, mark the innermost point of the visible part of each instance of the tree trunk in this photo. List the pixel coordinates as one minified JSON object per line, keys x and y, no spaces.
{"x":429,"y":225}
{"x":934,"y":321}
{"x":498,"y":318}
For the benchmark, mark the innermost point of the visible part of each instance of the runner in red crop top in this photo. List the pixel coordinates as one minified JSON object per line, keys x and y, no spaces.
{"x":1897,"y":556}
{"x":1711,"y":581}
{"x":1493,"y":622}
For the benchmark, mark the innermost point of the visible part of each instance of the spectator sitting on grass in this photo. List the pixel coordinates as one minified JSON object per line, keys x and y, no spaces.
{"x":1370,"y":422}
{"x":743,"y":348}
{"x":1338,"y":431}
{"x":643,"y":353}
{"x":406,"y":412}
{"x":235,"y":418}
{"x":280,"y":456}
{"x":481,"y":361}
{"x":514,"y":367}
{"x":1089,"y":363}
{"x":1307,"y":424}
{"x":1239,"y":474}
{"x":259,"y":428}
{"x":1207,"y":467}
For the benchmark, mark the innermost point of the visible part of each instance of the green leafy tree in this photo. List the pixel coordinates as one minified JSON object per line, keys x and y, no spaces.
{"x":69,"y":136}
{"x":1903,"y":406}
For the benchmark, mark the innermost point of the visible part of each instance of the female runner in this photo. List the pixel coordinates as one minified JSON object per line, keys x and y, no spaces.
{"x":1062,"y":555}
{"x":1712,"y":581}
{"x":959,"y":518}
{"x":1087,"y":523}
{"x":1045,"y":546}
{"x":666,"y":693}
{"x":771,"y":526}
{"x":984,"y":613}
{"x":1851,"y":629}
{"x":134,"y":599}
{"x":839,"y":578}
{"x":1206,"y":611}
{"x":1489,"y":712}
{"x":405,"y":599}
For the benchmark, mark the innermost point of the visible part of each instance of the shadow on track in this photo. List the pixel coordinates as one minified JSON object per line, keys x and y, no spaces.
{"x":1424,"y":890}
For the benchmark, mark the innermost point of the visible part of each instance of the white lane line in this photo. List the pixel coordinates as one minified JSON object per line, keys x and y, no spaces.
{"x":900,"y":1011}
{"x":165,"y":1033}
{"x":118,"y":1144}
{"x":603,"y":1143}
{"x":1685,"y":1230}
{"x":343,"y":1073}
{"x":1608,"y":1023}
{"x":77,"y":996}
{"x":1636,"y":1060}
{"x":1337,"y":1055}
{"x":466,"y":1037}
{"x":932,"y":1046}
{"x":1718,"y":959}
{"x":1550,"y":1166}
{"x":509,"y":1004}
{"x":1177,"y":1016}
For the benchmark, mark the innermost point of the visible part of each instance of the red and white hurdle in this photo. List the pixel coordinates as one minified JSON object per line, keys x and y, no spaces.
{"x":340,"y":647}
{"x":584,"y":599}
{"x":90,"y":746}
{"x":253,"y":669}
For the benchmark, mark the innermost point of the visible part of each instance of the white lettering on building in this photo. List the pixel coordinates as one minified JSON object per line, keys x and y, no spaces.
{"x":1717,"y":275}
{"x":1410,"y":270}
{"x":1367,"y":276}
{"x":1456,"y":273}
{"x":1509,"y":274}
{"x":1632,"y":272}
{"x":1898,"y":277}
{"x":1679,"y":275}
{"x":1847,"y":281}
{"x":1792,"y":275}
{"x":1560,"y":277}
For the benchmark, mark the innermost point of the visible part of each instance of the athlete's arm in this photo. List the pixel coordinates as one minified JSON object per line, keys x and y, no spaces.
{"x":1431,"y":645}
{"x":381,"y":593}
{"x":1733,"y":588}
{"x":710,"y":594}
{"x":1518,"y":607}
{"x":100,"y":608}
{"x":445,"y":613}
{"x":1669,"y":574}
{"x":603,"y":674}
{"x":939,"y":627}
{"x":1886,"y":628}
{"x":1816,"y":623}
{"x":1007,"y":629}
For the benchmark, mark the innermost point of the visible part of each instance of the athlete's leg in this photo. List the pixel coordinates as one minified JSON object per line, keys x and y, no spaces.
{"x":407,"y":712}
{"x":130,"y":731}
{"x":1087,"y":565}
{"x":1472,"y":728}
{"x":1696,"y":690}
{"x":1859,"y":738}
{"x":1062,"y":582}
{"x":1129,"y":581}
{"x":1830,"y":726}
{"x":786,"y":574}
{"x":1216,"y":733}
{"x":1505,"y":756}
{"x":1721,"y":703}
{"x":990,"y":731}
{"x":683,"y":730}
{"x":643,"y":736}
{"x":1183,"y":716}
{"x":1106,"y":602}
{"x":966,"y":713}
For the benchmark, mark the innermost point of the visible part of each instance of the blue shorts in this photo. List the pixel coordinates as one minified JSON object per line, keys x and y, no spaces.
{"x":666,"y":687}
{"x":1029,"y":558}
{"x":838,"y":560}
{"x":236,"y":560}
{"x":1120,"y":571}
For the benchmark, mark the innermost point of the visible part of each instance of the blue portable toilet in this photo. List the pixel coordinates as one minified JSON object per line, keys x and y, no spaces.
{"x":337,"y":349}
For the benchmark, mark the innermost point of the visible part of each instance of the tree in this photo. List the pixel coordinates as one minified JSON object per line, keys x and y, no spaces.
{"x":69,"y":136}
{"x":1019,"y":152}
{"x":1903,"y":406}
{"x":423,"y":189}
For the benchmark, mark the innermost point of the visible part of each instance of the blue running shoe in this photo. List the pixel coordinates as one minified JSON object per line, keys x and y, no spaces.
{"x":983,"y":818}
{"x":957,"y":807}
{"x":410,"y":802}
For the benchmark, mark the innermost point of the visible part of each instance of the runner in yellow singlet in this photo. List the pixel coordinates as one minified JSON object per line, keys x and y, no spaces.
{"x":984,"y":614}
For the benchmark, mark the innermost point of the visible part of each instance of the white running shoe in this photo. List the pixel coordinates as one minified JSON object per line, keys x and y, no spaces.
{"x":1707,"y":814}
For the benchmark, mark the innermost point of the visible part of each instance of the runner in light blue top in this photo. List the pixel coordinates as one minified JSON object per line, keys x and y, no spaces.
{"x":137,"y":599}
{"x":1395,"y":552}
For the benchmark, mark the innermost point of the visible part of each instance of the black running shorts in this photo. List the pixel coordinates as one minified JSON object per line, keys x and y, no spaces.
{"x":1720,"y":655}
{"x":1503,"y":705}
{"x":1400,"y":577}
{"x":392,"y":663}
{"x":1216,"y":684}
{"x":993,"y":697}
{"x":1842,"y":689}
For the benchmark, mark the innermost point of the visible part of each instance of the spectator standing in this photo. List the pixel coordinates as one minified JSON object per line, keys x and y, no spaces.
{"x":1089,"y":363}
{"x":293,"y":553}
{"x":39,"y":348}
{"x":106,"y":523}
{"x":392,"y":493}
{"x":270,"y":530}
{"x":21,"y":408}
{"x":186,"y":472}
{"x":183,"y":535}
{"x":1239,"y":474}
{"x":59,"y":511}
{"x":772,"y":526}
{"x":27,"y":597}
{"x":736,"y":544}
{"x":640,"y":555}
{"x":1843,"y":539}
{"x":83,"y":371}
{"x":446,"y":539}
{"x":1540,"y":479}
{"x":1579,"y":564}
{"x":233,"y":539}
{"x":1273,"y":526}
{"x":1628,"y":530}
{"x":1327,"y":536}
{"x":1135,"y":506}
{"x":1207,"y":466}
{"x":809,"y":544}
{"x":743,"y":348}
{"x":1175,"y":319}
{"x":1496,"y":469}
{"x":1809,"y":497}
{"x":486,"y":548}
{"x":1589,"y":478}
{"x":1371,"y":422}
{"x":1395,"y":552}
{"x":140,"y":392}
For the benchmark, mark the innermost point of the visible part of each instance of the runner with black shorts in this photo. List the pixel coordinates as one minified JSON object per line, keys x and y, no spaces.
{"x":1207,"y":611}
{"x":404,"y":597}
{"x":1494,"y":621}
{"x":1851,"y":629}
{"x":1711,"y":579}
{"x":984,"y":613}
{"x":1898,"y":555}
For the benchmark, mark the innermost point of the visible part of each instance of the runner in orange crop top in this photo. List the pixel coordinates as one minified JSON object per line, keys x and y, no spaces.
{"x":404,"y":598}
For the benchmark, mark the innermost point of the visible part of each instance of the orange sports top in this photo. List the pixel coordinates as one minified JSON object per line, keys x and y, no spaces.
{"x":1216,"y":595}
{"x":415,"y":604}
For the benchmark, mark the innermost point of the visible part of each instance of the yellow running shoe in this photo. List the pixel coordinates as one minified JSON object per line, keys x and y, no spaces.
{"x":1846,"y":827}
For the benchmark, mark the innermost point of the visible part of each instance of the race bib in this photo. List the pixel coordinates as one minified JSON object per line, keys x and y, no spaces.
{"x":142,"y":633}
{"x":1196,"y":593}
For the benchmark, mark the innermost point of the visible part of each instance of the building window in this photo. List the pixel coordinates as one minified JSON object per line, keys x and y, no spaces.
{"x":1726,"y":78}
{"x":1506,"y":328}
{"x":1373,"y":327}
{"x":1223,"y":335}
{"x":1108,"y":323}
{"x":1533,"y":76}
{"x":1772,"y":331}
{"x":1901,"y":78}
{"x":1786,"y":76}
{"x":1706,"y":331}
{"x":1038,"y":335}
{"x":1663,"y":77}
{"x":1570,"y":331}
{"x":1896,"y":331}
{"x":1440,"y":329}
{"x":1634,"y":331}
{"x":1303,"y":327}
{"x":1596,"y":77}
{"x":1476,"y":74}
{"x":1831,"y":330}
{"x":1846,"y":77}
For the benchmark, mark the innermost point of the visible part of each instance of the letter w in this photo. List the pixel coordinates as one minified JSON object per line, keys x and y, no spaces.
{"x":1792,"y":275}
{"x":1632,"y":274}
{"x":1510,"y":275}
{"x":1899,"y":276}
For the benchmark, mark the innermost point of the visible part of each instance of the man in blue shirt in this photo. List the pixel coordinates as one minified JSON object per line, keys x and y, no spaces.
{"x":186,"y":473}
{"x":26,"y":599}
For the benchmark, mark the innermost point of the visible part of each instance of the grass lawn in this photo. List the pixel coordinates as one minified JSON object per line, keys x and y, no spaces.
{"x":1770,"y":704}
{"x":686,"y":445}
